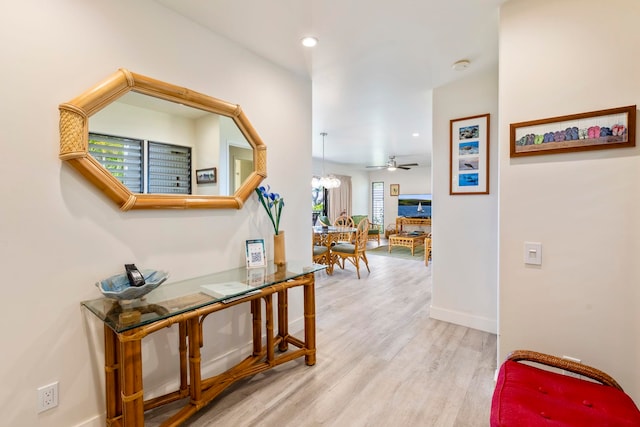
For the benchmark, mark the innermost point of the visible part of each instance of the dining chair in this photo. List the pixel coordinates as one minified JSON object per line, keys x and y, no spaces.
{"x":353,"y":252}
{"x":427,"y":249}
{"x":321,"y":251}
{"x":344,"y":222}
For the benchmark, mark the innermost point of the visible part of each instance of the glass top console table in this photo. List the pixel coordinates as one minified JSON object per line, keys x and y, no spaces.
{"x":186,"y":303}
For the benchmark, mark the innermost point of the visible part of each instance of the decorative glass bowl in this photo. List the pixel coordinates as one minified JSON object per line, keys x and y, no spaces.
{"x":118,"y":287}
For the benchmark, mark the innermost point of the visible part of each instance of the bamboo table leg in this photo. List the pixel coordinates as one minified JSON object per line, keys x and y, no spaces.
{"x":310,"y":320}
{"x":256,"y":314}
{"x":111,"y":376}
{"x":283,"y":319}
{"x":131,"y":379}
{"x":195,"y":338}
{"x":193,"y":332}
{"x":268,"y":300}
{"x":182,"y":345}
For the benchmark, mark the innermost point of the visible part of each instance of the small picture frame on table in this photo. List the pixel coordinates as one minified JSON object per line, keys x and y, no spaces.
{"x":469,"y":154}
{"x":394,"y":189}
{"x":255,"y":253}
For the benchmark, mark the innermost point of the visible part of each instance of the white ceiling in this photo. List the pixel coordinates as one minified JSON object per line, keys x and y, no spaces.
{"x":374,"y":68}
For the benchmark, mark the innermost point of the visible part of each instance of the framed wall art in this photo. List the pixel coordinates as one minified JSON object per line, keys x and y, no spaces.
{"x":469,"y":154}
{"x":595,"y":130}
{"x":394,"y":189}
{"x":206,"y":176}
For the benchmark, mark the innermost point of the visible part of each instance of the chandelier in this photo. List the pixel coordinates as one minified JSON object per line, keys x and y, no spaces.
{"x":326,"y":181}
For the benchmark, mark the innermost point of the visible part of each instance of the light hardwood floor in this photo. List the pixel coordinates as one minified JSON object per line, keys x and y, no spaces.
{"x":381,"y":361}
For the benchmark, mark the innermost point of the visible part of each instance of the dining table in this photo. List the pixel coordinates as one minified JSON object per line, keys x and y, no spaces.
{"x":330,"y":235}
{"x":333,"y":234}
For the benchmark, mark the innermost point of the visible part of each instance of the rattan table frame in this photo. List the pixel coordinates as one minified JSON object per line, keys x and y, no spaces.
{"x":125,"y":404}
{"x":407,"y":241}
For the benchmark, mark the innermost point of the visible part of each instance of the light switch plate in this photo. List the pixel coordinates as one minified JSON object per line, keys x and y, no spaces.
{"x":533,"y":253}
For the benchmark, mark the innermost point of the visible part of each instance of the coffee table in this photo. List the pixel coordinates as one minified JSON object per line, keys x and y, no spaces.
{"x":407,"y":240}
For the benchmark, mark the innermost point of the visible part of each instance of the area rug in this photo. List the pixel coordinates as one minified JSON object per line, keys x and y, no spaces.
{"x":398,"y":252}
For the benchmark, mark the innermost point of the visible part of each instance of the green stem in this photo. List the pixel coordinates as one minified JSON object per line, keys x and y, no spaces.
{"x":267,"y":209}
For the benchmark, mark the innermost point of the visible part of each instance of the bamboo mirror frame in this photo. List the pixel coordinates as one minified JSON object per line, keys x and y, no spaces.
{"x":74,"y":142}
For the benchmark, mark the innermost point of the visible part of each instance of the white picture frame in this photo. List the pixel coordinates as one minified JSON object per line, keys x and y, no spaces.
{"x":255,"y":253}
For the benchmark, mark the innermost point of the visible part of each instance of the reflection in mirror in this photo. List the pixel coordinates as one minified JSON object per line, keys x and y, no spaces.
{"x":141,"y":141}
{"x":155,"y":146}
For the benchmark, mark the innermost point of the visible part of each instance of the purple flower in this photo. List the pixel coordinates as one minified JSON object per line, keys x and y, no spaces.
{"x":273,"y":204}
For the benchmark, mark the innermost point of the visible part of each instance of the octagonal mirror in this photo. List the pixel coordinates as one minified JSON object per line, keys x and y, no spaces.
{"x":147,"y":144}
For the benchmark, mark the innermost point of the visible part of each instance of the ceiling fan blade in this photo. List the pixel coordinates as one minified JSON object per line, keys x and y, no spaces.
{"x":408,"y":164}
{"x":403,"y":167}
{"x":377,"y":167}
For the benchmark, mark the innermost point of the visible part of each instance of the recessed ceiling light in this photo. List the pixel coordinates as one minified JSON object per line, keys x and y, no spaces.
{"x":463,"y":64}
{"x":309,"y":41}
{"x":415,"y":134}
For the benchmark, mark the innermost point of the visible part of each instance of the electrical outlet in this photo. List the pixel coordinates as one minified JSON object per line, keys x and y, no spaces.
{"x":47,"y":397}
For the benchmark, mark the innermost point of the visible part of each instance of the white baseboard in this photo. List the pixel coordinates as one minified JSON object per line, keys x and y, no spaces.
{"x":464,"y":319}
{"x":97,"y":421}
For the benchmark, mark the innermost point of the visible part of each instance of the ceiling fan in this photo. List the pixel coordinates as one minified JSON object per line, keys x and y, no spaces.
{"x":392,"y":165}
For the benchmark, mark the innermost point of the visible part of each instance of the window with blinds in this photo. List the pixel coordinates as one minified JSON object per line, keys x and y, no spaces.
{"x":120,"y":156}
{"x":377,"y":203}
{"x":169,"y":169}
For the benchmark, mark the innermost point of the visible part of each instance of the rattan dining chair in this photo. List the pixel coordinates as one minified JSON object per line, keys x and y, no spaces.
{"x":427,"y":249}
{"x":345,"y":222}
{"x":353,"y":252}
{"x":322,"y":252}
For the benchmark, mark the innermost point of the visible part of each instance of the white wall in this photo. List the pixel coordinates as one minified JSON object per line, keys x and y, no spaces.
{"x":583,"y":207}
{"x":59,"y":235}
{"x":465,"y":227}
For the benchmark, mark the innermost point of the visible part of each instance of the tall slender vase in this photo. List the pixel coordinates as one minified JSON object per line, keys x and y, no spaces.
{"x":279,"y":254}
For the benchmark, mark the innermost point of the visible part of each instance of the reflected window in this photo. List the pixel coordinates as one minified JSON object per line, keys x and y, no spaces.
{"x":122,"y":157}
{"x":169,"y":169}
{"x":168,"y":166}
{"x":377,"y":203}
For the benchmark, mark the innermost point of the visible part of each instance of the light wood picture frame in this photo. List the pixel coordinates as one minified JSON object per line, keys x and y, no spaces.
{"x":394,"y":189}
{"x":469,"y":155}
{"x":595,"y":130}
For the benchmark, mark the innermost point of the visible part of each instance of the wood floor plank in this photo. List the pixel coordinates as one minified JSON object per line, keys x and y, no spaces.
{"x":381,"y":362}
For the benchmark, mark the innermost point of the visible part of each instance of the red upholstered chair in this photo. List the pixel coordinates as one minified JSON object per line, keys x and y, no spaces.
{"x":529,"y":396}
